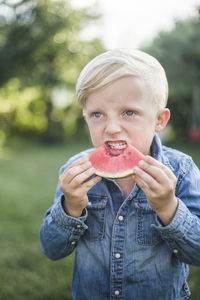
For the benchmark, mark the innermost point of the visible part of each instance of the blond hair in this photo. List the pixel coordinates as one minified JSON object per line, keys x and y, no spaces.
{"x":115,"y":64}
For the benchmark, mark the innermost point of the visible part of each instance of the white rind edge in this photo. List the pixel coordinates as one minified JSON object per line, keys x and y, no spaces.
{"x":119,"y":175}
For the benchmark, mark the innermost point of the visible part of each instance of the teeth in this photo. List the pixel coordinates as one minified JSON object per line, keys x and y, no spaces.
{"x":120,"y":145}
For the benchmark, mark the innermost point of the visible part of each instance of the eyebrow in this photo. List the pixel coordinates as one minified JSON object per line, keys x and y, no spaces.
{"x":93,"y":110}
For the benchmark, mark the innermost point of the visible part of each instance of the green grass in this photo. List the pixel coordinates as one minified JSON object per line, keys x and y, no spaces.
{"x":28,"y":178}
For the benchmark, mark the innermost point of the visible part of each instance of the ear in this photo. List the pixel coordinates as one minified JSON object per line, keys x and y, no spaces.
{"x":162,"y":119}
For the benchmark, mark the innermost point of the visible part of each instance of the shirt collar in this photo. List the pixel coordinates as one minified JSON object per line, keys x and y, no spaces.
{"x":158,"y":153}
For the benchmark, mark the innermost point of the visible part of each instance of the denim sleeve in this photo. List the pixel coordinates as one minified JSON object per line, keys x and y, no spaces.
{"x":183,"y":233}
{"x":60,"y":232}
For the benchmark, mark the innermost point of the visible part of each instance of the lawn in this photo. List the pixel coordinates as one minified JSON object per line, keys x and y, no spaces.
{"x":28,"y":178}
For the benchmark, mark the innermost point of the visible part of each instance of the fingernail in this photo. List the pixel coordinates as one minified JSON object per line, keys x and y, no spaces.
{"x":136,"y":169}
{"x":141,"y":163}
{"x":147,"y":157}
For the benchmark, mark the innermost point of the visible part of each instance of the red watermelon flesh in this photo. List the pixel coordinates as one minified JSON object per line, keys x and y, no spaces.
{"x":119,"y":165}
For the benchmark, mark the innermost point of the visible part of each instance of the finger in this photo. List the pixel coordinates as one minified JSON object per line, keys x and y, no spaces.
{"x":152,"y":161}
{"x":157,"y":170}
{"x":160,"y":165}
{"x":141,"y":184}
{"x":92,"y":182}
{"x":143,"y":177}
{"x":79,"y":161}
{"x":82,"y":177}
{"x":70,"y":173}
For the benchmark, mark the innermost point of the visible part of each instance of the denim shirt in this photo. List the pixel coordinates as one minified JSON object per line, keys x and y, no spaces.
{"x":122,"y":249}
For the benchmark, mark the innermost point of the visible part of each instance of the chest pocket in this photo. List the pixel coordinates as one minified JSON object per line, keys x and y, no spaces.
{"x":146,"y":234}
{"x":96,"y":217}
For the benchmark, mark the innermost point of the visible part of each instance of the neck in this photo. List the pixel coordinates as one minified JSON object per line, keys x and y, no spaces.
{"x":126,"y":184}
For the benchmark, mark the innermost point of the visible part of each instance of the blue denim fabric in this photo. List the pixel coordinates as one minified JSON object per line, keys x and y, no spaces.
{"x":122,"y":250}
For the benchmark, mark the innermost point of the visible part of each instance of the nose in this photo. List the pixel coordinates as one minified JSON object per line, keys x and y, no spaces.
{"x":112,"y":127}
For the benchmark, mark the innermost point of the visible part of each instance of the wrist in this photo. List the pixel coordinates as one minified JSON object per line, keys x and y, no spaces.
{"x":166,"y":215}
{"x":71,"y":211}
{"x":75,"y":213}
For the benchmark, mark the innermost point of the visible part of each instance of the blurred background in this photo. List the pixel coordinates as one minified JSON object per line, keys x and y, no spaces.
{"x":43,"y":47}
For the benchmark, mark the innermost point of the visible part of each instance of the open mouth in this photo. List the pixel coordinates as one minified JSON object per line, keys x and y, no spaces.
{"x":115,"y":147}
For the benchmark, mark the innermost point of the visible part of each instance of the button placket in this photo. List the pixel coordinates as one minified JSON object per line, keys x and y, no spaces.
{"x":117,"y":249}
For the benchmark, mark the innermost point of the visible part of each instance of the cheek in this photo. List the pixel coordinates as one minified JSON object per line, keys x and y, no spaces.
{"x":95,"y":134}
{"x":142,"y":137}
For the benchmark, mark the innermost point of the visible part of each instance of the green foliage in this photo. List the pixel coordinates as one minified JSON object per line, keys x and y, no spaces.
{"x":178,"y":51}
{"x":41,"y":50}
{"x":41,"y":43}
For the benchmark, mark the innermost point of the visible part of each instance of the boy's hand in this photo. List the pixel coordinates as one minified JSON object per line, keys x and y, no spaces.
{"x":158,"y":183}
{"x":75,"y":184}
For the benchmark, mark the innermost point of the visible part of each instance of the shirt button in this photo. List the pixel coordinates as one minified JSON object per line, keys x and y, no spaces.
{"x":78,"y":226}
{"x":121,"y":218}
{"x":117,"y":293}
{"x":175,"y":251}
{"x":73,"y":243}
{"x":117,"y":255}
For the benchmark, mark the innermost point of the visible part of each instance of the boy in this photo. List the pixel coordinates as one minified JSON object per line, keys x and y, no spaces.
{"x":133,"y":236}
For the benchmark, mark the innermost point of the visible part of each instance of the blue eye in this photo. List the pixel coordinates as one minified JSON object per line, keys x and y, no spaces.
{"x":129,"y":113}
{"x":97,"y":114}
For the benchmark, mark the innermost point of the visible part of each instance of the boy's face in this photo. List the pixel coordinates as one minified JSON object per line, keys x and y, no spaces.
{"x":124,"y":112}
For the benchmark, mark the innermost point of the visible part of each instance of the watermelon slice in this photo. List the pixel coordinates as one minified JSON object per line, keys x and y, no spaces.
{"x":115,"y":163}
